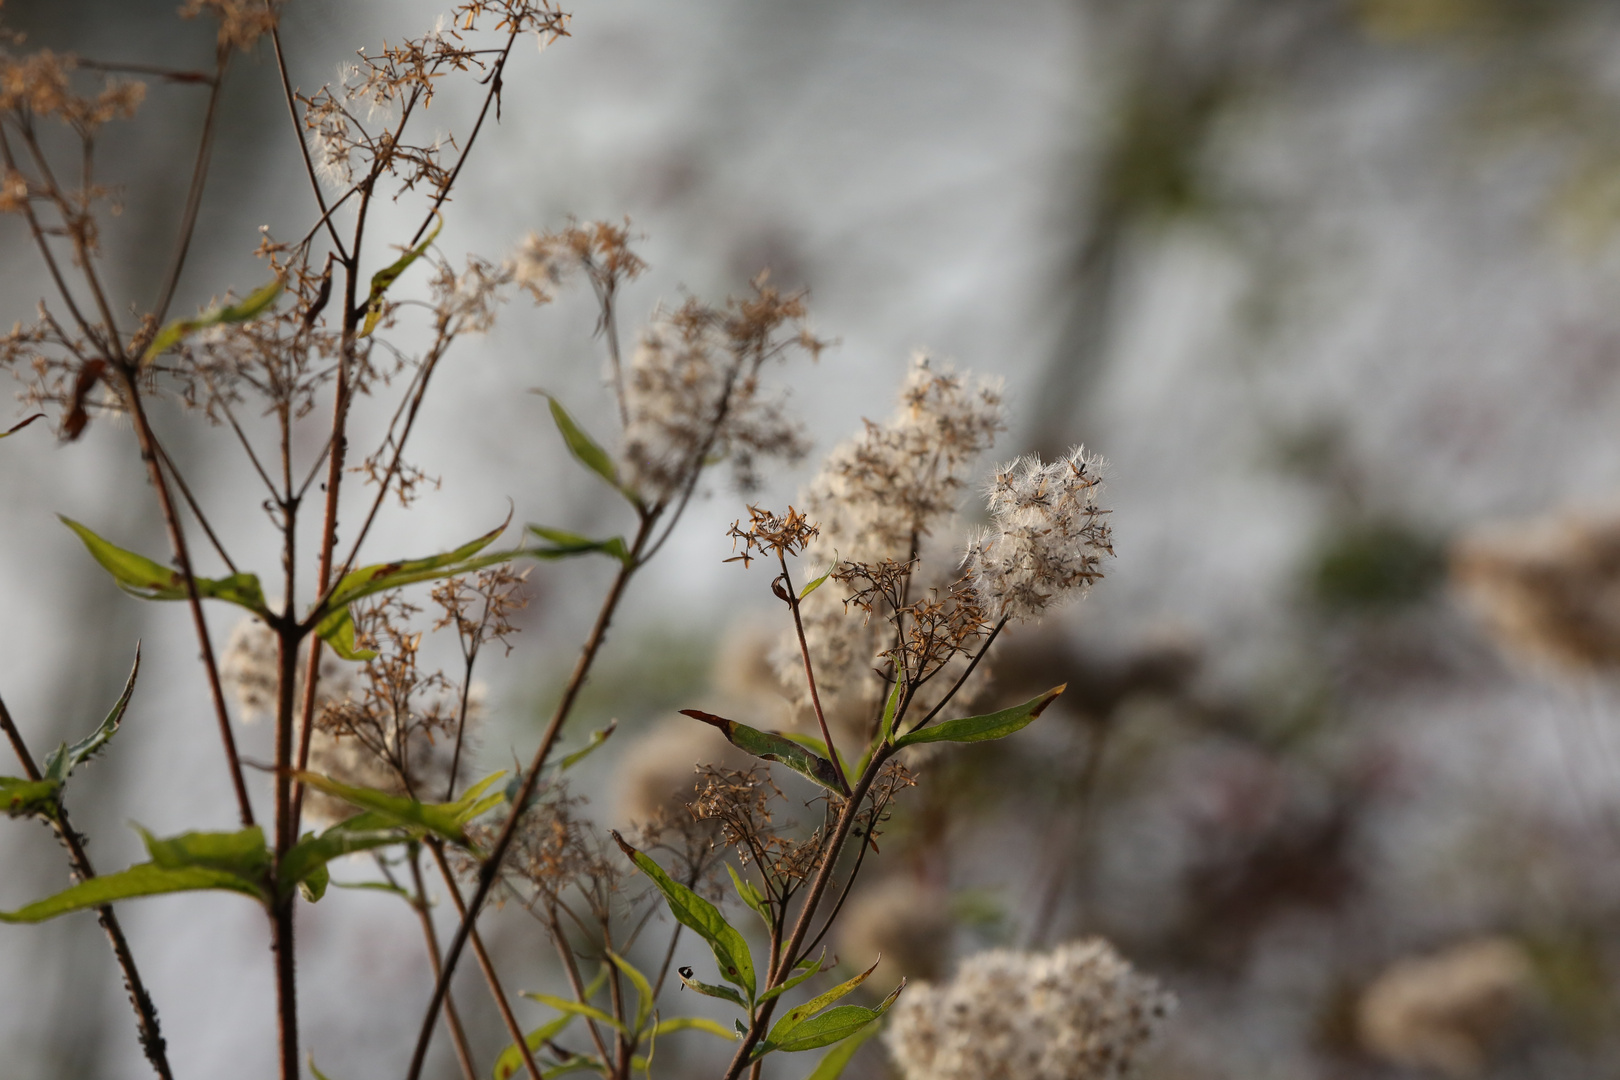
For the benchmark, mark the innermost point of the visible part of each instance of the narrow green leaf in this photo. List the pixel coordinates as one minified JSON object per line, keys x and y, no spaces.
{"x":817,"y":747}
{"x":598,"y":737}
{"x":831,"y":1066}
{"x":382,"y":279}
{"x":891,"y":705}
{"x":313,"y":886}
{"x":511,"y":1060}
{"x":313,"y":1071}
{"x":769,"y":746}
{"x":730,"y":948}
{"x":644,"y":992}
{"x":64,"y":759}
{"x":996,"y":725}
{"x":375,"y":886}
{"x":14,"y":428}
{"x":697,"y":1023}
{"x":750,"y":895}
{"x":835,"y":1024}
{"x":564,"y":544}
{"x":143,"y":879}
{"x":577,"y":1063}
{"x":249,"y":307}
{"x":811,"y":968}
{"x":364,"y":832}
{"x":25,"y":798}
{"x":140,"y":576}
{"x":584,"y":448}
{"x":817,"y":583}
{"x":578,"y":1008}
{"x":337,"y":630}
{"x":800,"y":1013}
{"x":443,"y":819}
{"x":724,"y":993}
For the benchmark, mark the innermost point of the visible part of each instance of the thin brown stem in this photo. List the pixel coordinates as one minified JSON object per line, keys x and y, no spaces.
{"x":571,"y":968}
{"x":199,"y":179}
{"x":458,"y":1037}
{"x":490,"y":870}
{"x":191,"y":502}
{"x":810,"y":672}
{"x":146,"y":1021}
{"x":303,"y":145}
{"x":288,"y":634}
{"x":179,"y":75}
{"x":963,"y":677}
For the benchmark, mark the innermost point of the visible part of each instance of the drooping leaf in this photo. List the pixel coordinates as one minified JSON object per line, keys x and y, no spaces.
{"x":996,"y":725}
{"x":313,"y":1071}
{"x":769,"y":746}
{"x":824,"y":1029}
{"x":832,"y":1065}
{"x":382,"y":279}
{"x":724,"y":993}
{"x":443,"y":819}
{"x":61,"y":762}
{"x":364,"y":832}
{"x":564,"y":544}
{"x":644,"y":991}
{"x":143,"y":879}
{"x":14,"y":428}
{"x":750,"y":895}
{"x":598,"y":737}
{"x":577,"y":1008}
{"x":811,"y":969}
{"x":731,"y":951}
{"x":585,"y":449}
{"x":335,"y":623}
{"x":249,"y":307}
{"x":800,"y":1013}
{"x":140,"y":576}
{"x":313,"y":886}
{"x":812,"y":586}
{"x":22,"y":797}
{"x":816,"y":747}
{"x":696,"y":1023}
{"x":510,"y":1060}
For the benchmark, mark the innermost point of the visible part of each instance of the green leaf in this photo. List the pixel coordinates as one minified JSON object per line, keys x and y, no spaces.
{"x":769,"y":746}
{"x":577,"y":1008}
{"x":730,"y":948}
{"x":811,"y":969}
{"x":140,"y":576}
{"x":249,"y":307}
{"x":835,"y":1024}
{"x":892,"y":705}
{"x":511,"y":1060}
{"x":644,"y":991}
{"x":997,"y":725}
{"x":25,"y":798}
{"x":307,"y":859}
{"x":586,"y":449}
{"x":750,"y":895}
{"x":382,"y":279}
{"x":316,"y":1073}
{"x":242,"y":852}
{"x":724,"y":993}
{"x":816,"y":584}
{"x":564,"y":544}
{"x":14,"y":428}
{"x":800,"y":1013}
{"x":64,"y":759}
{"x":143,"y":879}
{"x":313,"y":886}
{"x":442,"y":819}
{"x":335,"y":623}
{"x":817,"y":747}
{"x":376,"y":886}
{"x":697,"y":1023}
{"x":597,"y":739}
{"x":831,"y":1066}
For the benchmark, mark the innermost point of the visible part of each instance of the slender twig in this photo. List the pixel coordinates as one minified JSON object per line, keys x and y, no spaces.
{"x":571,"y":967}
{"x":146,"y":1021}
{"x":792,"y":599}
{"x":196,"y":510}
{"x":172,"y":74}
{"x":199,"y":179}
{"x":242,"y":438}
{"x":288,"y":635}
{"x":452,"y":1020}
{"x":303,"y":145}
{"x":961,"y":678}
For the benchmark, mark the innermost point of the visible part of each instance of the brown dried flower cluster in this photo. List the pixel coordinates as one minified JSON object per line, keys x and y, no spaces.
{"x":768,"y":534}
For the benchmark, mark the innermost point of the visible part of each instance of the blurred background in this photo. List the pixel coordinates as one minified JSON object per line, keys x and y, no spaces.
{"x":1331,"y":284}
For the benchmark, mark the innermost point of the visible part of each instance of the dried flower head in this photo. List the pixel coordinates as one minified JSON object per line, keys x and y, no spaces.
{"x":1443,"y":1012}
{"x":768,"y":534}
{"x":1549,"y":590}
{"x":1080,"y":1012}
{"x":1047,"y":540}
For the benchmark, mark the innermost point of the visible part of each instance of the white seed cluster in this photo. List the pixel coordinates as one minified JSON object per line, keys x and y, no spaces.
{"x":689,"y":398}
{"x":1048,"y":536}
{"x":1080,"y":1012}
